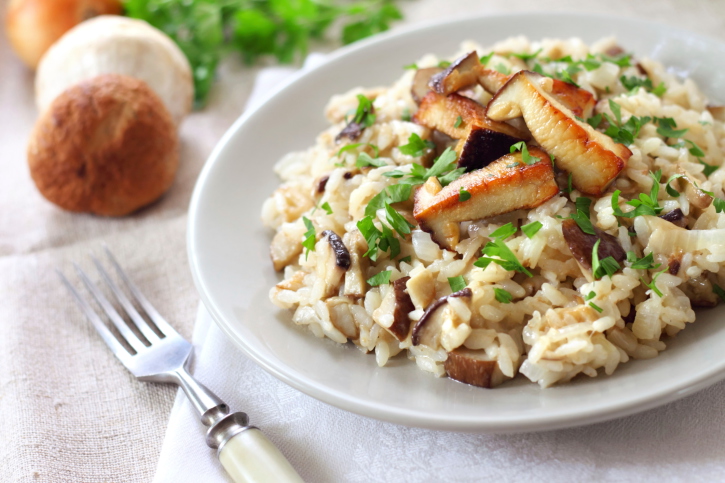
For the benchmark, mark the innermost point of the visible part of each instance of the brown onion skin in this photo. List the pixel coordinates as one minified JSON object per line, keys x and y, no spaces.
{"x":34,"y":25}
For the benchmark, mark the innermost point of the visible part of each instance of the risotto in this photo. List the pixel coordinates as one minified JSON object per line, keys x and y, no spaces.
{"x":544,"y":208}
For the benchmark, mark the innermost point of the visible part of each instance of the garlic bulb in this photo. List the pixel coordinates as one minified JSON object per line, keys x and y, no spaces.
{"x":111,"y":44}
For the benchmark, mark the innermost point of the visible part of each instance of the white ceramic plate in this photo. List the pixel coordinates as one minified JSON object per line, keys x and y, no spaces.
{"x":228,"y":248}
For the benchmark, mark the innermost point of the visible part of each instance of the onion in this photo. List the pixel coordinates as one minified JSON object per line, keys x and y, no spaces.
{"x":667,"y":238}
{"x":34,"y":25}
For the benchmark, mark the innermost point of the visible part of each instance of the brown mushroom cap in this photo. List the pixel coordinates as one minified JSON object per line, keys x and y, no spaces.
{"x":106,"y":146}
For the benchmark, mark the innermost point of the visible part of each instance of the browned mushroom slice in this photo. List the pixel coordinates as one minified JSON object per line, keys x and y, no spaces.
{"x":333,"y":261}
{"x":592,"y":158}
{"x":718,"y":112}
{"x":442,"y":112}
{"x":403,"y":306}
{"x":420,"y":88}
{"x":582,"y":244}
{"x":492,"y":80}
{"x":473,"y":367}
{"x":427,"y":330}
{"x":462,"y":73}
{"x":482,"y":147}
{"x":505,"y":185}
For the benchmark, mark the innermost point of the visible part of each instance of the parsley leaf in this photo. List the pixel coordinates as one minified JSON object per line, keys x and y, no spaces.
{"x":412,"y":66}
{"x":405,"y":116}
{"x":645,"y":205}
{"x":666,"y":128}
{"x":503,"y":231}
{"x":524,"y":56}
{"x":416,"y":146}
{"x":326,"y":206}
{"x":364,"y":160}
{"x":383,"y":240}
{"x":569,"y":187}
{"x":632,"y":84}
{"x":506,"y":258}
{"x":459,"y":121}
{"x":652,"y":285}
{"x":463,"y":195}
{"x":382,"y":278}
{"x":581,"y":215}
{"x":525,"y":156}
{"x":607,"y":266}
{"x":444,"y":64}
{"x":310,"y":237}
{"x":596,"y":307}
{"x":484,"y":59}
{"x":644,"y":263}
{"x":443,"y":169}
{"x":397,"y":221}
{"x":719,"y":205}
{"x":392,"y":194}
{"x":531,"y":229}
{"x":406,"y":259}
{"x":364,"y":114}
{"x":457,"y":283}
{"x":590,"y":295}
{"x":500,"y":67}
{"x":502,"y":295}
{"x":624,"y":133}
{"x":350,"y":147}
{"x":595,"y":121}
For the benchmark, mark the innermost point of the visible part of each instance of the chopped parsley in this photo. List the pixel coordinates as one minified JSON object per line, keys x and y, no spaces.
{"x":326,"y":206}
{"x":463,"y":195}
{"x":632,"y":84}
{"x":378,"y":240}
{"x":444,"y":64}
{"x":531,"y":229}
{"x":416,"y":146}
{"x":405,"y":116}
{"x":596,"y":307}
{"x":457,"y":283}
{"x":443,"y":168}
{"x":666,"y":128}
{"x":590,"y":295}
{"x":502,"y":295}
{"x":569,"y":187}
{"x":652,"y":285}
{"x":581,"y":215}
{"x":525,"y":156}
{"x":412,"y":66}
{"x":406,"y":259}
{"x":484,"y":59}
{"x":607,"y":266}
{"x":364,"y":114}
{"x":382,"y":278}
{"x":718,"y":291}
{"x":719,"y":205}
{"x":644,"y":263}
{"x":500,"y":67}
{"x":397,"y":221}
{"x":624,"y":133}
{"x":671,"y":190}
{"x":645,"y":205}
{"x":695,"y":150}
{"x":595,"y":121}
{"x":392,"y":194}
{"x":350,"y":147}
{"x":503,"y":231}
{"x":459,"y":121}
{"x":310,"y":237}
{"x":524,"y":56}
{"x":364,"y":160}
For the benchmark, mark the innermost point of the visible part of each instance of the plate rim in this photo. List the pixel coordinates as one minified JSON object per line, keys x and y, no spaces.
{"x":667,"y":394}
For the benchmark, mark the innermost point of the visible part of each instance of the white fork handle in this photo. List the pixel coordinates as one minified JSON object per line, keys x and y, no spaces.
{"x":249,"y":457}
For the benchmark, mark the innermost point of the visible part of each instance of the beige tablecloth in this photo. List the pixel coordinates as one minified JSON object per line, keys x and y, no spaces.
{"x":68,"y":411}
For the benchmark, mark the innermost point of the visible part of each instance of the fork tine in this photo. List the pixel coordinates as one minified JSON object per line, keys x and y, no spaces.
{"x":140,"y":322}
{"x":160,"y":322}
{"x":116,"y":347}
{"x":120,"y":324}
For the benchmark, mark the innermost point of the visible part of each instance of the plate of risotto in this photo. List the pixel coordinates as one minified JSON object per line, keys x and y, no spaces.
{"x":504,"y":223}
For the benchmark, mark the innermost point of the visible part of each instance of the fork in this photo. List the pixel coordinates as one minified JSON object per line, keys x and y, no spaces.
{"x":160,"y":354}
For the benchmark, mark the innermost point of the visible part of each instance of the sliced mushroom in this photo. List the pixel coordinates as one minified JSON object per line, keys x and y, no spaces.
{"x":492,"y":80}
{"x":333,"y":261}
{"x":286,"y":245}
{"x":420,"y":88}
{"x":403,"y":306}
{"x":582,"y":244}
{"x":427,"y":330}
{"x":462,"y":73}
{"x":718,"y":112}
{"x":473,"y":367}
{"x":505,"y":185}
{"x":352,"y":131}
{"x":441,"y":112}
{"x":676,"y":217}
{"x":697,"y":198}
{"x":593,"y":158}
{"x":422,"y":289}
{"x":355,"y":282}
{"x":341,"y":316}
{"x":482,"y":147}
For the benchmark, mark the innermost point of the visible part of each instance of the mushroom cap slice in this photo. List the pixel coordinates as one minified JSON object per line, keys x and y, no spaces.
{"x":419,"y":88}
{"x":427,"y":330}
{"x":582,"y":244}
{"x":403,"y":306}
{"x":441,"y":112}
{"x":473,"y":367}
{"x":505,"y":185}
{"x":462,"y":73}
{"x":593,"y":158}
{"x":482,"y":147}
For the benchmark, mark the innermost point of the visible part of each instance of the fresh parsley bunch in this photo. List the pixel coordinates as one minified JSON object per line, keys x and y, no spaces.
{"x":208,"y":30}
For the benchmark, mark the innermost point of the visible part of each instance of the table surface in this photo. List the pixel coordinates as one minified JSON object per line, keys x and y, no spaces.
{"x":69,"y":413}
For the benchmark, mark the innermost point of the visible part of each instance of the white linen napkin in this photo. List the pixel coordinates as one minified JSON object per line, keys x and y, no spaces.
{"x":683,"y":441}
